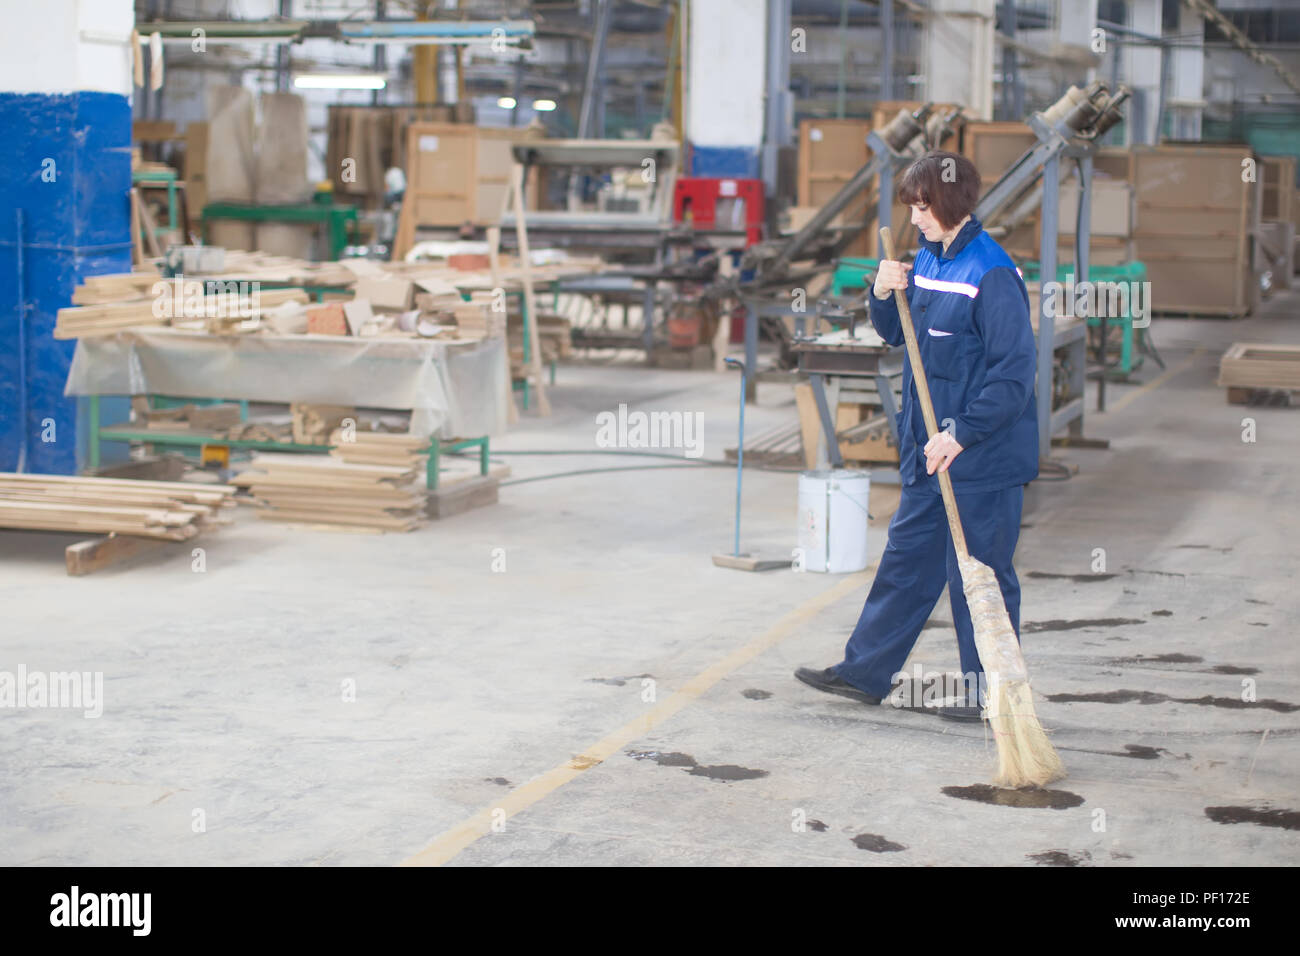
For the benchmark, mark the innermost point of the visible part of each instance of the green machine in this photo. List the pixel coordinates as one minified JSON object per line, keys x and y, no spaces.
{"x":322,"y":210}
{"x":854,"y":275}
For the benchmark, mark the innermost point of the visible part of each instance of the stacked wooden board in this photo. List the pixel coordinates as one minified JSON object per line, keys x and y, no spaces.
{"x":321,"y":490}
{"x":219,"y":310}
{"x":176,"y":511}
{"x":379,"y":448}
{"x":1248,"y":367}
{"x":98,"y":290}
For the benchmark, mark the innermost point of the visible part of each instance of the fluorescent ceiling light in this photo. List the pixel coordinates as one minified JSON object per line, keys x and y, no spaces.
{"x":435,"y":32}
{"x":339,"y":81}
{"x":543,"y":106}
{"x":506,"y":102}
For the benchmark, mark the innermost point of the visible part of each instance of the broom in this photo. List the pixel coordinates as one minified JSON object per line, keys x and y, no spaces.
{"x":1026,"y":758}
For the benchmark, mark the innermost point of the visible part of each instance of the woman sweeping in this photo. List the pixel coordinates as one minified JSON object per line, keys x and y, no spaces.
{"x":971,"y":313}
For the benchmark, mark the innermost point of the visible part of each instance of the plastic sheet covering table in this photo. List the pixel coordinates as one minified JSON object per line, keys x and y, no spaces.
{"x":453,"y":389}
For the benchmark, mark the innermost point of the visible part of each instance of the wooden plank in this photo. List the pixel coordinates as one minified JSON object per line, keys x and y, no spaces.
{"x":462,"y":496}
{"x":95,"y":554}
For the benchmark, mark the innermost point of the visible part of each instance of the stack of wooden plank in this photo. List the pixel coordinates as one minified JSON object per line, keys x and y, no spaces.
{"x":173,"y":510}
{"x":209,"y":418}
{"x":379,"y":448}
{"x":554,"y":336}
{"x":321,"y":490}
{"x":312,"y":424}
{"x":1248,"y":367}
{"x":99,"y":290}
{"x":222,"y":309}
{"x":476,"y":319}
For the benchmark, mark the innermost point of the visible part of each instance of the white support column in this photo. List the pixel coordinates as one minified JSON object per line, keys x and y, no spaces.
{"x":959,"y":37}
{"x":1142,"y":68}
{"x":726,"y":63}
{"x":1075,"y":22}
{"x":66,"y":46}
{"x":1186,"y":95}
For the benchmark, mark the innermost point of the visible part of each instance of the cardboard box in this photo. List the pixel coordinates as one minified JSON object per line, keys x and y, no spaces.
{"x":358,"y":313}
{"x":393,"y":293}
{"x":1112,"y":208}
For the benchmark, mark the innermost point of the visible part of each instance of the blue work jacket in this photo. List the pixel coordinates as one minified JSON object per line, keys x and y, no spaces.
{"x":970,"y":310}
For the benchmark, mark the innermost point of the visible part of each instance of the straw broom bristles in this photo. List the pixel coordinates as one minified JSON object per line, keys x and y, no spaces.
{"x":1026,"y":758}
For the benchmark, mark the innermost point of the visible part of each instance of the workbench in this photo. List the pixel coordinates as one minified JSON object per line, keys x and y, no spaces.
{"x":857,"y":371}
{"x":455,"y":391}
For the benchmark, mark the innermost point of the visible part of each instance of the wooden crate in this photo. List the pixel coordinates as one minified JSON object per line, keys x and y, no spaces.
{"x":1194,"y":219}
{"x":1256,"y":365}
{"x":1277,"y":204}
{"x":455,"y":174}
{"x":831,"y":151}
{"x":374,"y":137}
{"x":993,"y":148}
{"x":1110,"y":240}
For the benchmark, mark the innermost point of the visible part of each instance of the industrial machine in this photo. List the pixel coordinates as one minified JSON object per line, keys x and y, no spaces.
{"x":853,"y":365}
{"x":1069,"y":129}
{"x":769,"y":270}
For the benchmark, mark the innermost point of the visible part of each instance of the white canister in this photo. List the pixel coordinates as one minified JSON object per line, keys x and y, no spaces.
{"x":832,"y":532}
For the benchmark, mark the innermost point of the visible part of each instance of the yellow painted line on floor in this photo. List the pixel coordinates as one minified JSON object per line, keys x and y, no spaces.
{"x":1155,"y":383}
{"x":452,"y":842}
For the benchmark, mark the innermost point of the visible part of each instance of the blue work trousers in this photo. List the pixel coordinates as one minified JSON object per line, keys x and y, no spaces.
{"x":918,"y":561}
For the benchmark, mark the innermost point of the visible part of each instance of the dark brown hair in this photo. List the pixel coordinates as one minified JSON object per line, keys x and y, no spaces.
{"x":946,"y":182}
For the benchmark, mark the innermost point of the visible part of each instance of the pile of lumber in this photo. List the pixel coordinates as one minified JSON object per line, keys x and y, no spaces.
{"x":261,"y":431}
{"x":321,"y":490}
{"x":214,"y":311}
{"x":189,"y":417}
{"x":172,"y":510}
{"x":98,"y":290}
{"x":379,"y":448}
{"x":554,"y":337}
{"x":408,"y":299}
{"x":1253,"y":366}
{"x":312,"y":424}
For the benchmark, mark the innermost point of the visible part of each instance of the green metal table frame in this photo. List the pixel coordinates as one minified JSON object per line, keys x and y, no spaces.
{"x":129,"y":433}
{"x":1131,"y":338}
{"x":163,"y":177}
{"x":333,"y":215}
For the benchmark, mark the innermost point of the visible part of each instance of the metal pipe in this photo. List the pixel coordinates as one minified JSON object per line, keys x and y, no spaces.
{"x":282,"y":56}
{"x":887,"y":49}
{"x":380,"y":59}
{"x":844,"y":53}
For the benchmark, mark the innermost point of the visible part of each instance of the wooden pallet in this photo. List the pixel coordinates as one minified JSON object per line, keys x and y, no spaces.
{"x":1255,"y":365}
{"x":1276,"y":397}
{"x":780,"y":447}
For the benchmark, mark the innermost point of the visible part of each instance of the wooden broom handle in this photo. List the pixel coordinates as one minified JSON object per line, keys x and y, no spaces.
{"x":927,"y":407}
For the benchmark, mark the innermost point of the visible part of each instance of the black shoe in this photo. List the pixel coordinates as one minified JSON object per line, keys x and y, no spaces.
{"x":830,"y":682}
{"x":967,"y":714}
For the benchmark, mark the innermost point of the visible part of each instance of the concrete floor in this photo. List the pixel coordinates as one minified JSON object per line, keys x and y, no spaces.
{"x":520,"y":697}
